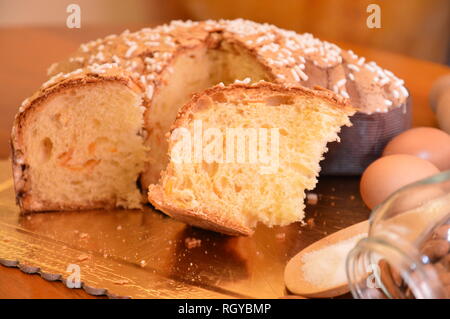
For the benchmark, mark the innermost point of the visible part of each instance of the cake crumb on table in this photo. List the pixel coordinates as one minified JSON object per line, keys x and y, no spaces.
{"x":121,"y":282}
{"x":310,"y":222}
{"x":83,"y":257}
{"x":191,"y":242}
{"x":280,"y":236}
{"x":312,"y":198}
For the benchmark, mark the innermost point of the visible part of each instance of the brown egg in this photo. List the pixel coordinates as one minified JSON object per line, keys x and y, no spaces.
{"x":440,"y":86}
{"x":443,"y":112}
{"x":428,"y":143}
{"x":389,"y":173}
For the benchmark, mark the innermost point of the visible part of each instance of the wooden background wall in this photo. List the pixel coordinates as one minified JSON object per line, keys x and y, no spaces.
{"x":418,"y":28}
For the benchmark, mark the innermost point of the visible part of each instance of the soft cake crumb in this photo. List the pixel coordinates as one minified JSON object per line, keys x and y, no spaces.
{"x":84,"y":236}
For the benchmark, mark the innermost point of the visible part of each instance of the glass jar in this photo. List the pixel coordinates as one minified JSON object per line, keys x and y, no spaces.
{"x":407,"y":251}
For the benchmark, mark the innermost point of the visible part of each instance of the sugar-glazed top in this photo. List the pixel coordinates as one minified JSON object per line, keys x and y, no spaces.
{"x":290,"y":57}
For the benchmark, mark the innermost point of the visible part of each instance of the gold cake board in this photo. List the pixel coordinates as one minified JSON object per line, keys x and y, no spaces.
{"x":143,"y":253}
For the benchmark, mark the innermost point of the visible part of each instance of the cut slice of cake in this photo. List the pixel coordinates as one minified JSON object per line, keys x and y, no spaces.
{"x":243,"y":154}
{"x":78,"y":143}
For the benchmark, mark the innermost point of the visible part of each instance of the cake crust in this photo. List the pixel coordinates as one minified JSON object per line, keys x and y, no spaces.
{"x":203,"y":218}
{"x":263,"y":87}
{"x":287,"y":56}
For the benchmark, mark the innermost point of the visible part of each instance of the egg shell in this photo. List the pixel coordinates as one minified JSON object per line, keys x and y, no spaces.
{"x":443,"y":112}
{"x":428,"y":143}
{"x":389,"y":173}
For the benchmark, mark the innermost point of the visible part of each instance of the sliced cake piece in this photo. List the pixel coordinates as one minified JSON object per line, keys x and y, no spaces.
{"x":243,"y":154}
{"x":78,"y":143}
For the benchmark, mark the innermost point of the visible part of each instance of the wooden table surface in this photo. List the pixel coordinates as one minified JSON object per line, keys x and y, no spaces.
{"x":27,"y":52}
